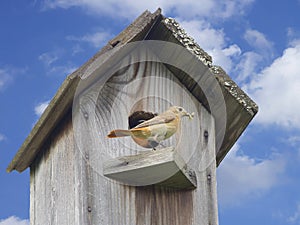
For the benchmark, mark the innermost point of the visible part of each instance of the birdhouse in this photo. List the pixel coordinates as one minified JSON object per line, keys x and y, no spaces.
{"x":166,"y":174}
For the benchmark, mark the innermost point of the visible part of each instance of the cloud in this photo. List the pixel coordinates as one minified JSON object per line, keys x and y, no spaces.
{"x":54,"y":64}
{"x":241,"y":177}
{"x":225,"y":57}
{"x":206,"y":36}
{"x":247,"y":66}
{"x":48,"y":58}
{"x":13,"y":220}
{"x":258,"y":40}
{"x":213,"y":41}
{"x":40,"y":108}
{"x":62,"y":69}
{"x":2,"y":137}
{"x":293,"y":140}
{"x":4,"y":78}
{"x":249,"y":62}
{"x":276,"y":90}
{"x":8,"y":74}
{"x":296,"y":216}
{"x":209,"y":9}
{"x":130,"y":9}
{"x":196,"y":17}
{"x":97,"y":39}
{"x":77,"y":49}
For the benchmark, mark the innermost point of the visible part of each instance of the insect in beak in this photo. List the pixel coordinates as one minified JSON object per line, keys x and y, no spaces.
{"x":191,"y":115}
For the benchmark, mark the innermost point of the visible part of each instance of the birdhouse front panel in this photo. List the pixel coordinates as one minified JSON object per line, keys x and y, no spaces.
{"x":139,"y":81}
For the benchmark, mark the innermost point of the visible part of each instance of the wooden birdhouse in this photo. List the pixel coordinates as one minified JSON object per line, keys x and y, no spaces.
{"x":79,"y":176}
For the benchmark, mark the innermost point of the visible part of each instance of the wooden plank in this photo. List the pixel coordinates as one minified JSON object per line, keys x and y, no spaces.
{"x":67,"y":181}
{"x":163,"y":167}
{"x":102,"y":108}
{"x":52,"y":189}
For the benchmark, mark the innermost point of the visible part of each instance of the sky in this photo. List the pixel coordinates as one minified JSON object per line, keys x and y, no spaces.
{"x":257,"y":42}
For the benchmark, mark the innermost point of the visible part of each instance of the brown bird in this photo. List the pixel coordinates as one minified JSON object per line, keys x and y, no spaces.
{"x":137,"y":118}
{"x":151,"y":132}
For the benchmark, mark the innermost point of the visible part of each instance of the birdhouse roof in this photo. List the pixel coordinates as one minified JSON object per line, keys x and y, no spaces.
{"x":240,"y":109}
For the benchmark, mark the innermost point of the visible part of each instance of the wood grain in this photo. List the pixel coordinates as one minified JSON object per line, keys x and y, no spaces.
{"x":67,"y":181}
{"x":160,"y":167}
{"x":108,"y":107}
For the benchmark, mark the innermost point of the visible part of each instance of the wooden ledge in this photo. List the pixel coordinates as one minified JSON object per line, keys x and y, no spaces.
{"x":163,"y":167}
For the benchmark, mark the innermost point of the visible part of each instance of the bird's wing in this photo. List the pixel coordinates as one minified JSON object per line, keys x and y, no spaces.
{"x":160,"y":119}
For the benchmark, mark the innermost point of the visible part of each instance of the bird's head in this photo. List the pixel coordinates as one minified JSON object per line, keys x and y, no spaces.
{"x":180,"y":111}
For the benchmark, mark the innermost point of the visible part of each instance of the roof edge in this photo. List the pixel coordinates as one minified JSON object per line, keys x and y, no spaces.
{"x":58,"y":106}
{"x":63,"y":99}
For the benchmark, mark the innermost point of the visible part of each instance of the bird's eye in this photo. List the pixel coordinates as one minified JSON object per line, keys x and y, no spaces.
{"x":180,"y":109}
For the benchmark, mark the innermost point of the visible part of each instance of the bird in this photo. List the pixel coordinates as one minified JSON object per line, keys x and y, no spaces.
{"x":149,"y":133}
{"x":137,"y":118}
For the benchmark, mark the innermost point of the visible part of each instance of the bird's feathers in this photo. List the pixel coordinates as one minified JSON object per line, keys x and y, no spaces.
{"x":154,"y":128}
{"x":118,"y":133}
{"x":138,"y":117}
{"x":161,"y":119}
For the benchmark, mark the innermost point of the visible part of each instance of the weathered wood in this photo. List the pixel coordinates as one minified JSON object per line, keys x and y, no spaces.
{"x":53,"y":185}
{"x":239,"y":108}
{"x":67,"y":189}
{"x":69,"y":183}
{"x":63,"y":99}
{"x":150,"y":27}
{"x":152,"y":87}
{"x":161,"y":167}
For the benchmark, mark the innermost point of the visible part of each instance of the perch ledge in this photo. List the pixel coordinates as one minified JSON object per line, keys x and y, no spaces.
{"x":164,"y":167}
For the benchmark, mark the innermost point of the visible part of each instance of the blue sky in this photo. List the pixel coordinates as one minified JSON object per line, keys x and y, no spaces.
{"x":256,"y":42}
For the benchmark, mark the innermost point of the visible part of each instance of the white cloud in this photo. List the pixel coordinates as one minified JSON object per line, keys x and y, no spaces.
{"x":62,"y":69}
{"x":296,"y":216}
{"x":97,"y":39}
{"x":209,"y":9}
{"x":225,"y":57}
{"x":53,"y":62}
{"x":195,"y":16}
{"x":129,"y":9}
{"x":258,"y":40}
{"x":293,"y":140}
{"x":48,"y":58}
{"x":8,"y":73}
{"x":4,"y":78}
{"x":290,"y":32}
{"x":13,"y":220}
{"x":2,"y":137}
{"x":40,"y":108}
{"x":276,"y":90}
{"x":249,"y":62}
{"x":206,"y":36}
{"x":77,"y":49}
{"x":213,"y":41}
{"x":247,"y":65}
{"x":241,"y":177}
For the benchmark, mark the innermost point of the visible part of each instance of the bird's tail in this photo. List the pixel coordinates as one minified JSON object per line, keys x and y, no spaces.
{"x":118,"y":133}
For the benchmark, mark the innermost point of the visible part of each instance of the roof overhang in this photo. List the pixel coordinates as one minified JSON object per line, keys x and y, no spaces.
{"x":240,"y":109}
